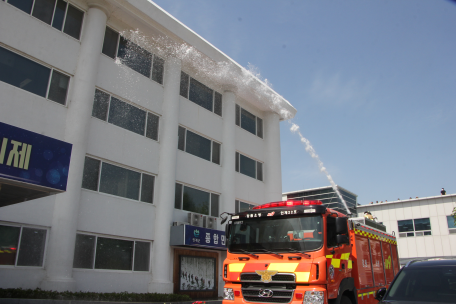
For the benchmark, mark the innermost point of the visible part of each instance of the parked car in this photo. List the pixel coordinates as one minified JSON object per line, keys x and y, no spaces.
{"x":422,"y":282}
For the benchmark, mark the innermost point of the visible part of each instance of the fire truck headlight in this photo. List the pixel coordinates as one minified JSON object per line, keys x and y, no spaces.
{"x":229,"y":294}
{"x":314,"y":297}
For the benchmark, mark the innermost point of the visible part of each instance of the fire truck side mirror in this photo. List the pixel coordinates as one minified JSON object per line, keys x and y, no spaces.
{"x":342,"y":239}
{"x":341,"y":225}
{"x":380,"y":294}
{"x":224,"y":220}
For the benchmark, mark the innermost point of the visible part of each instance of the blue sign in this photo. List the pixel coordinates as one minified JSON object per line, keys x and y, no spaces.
{"x":204,"y":237}
{"x":33,"y":158}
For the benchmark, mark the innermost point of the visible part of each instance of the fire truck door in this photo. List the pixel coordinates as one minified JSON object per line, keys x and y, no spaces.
{"x":388,"y":263}
{"x":377,"y":263}
{"x":364,"y":262}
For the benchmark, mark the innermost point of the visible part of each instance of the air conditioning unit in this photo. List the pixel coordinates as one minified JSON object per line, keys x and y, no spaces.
{"x":179,"y":223}
{"x":195,"y":219}
{"x":211,"y":222}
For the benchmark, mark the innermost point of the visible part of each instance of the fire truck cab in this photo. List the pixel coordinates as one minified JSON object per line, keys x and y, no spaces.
{"x":303,"y":252}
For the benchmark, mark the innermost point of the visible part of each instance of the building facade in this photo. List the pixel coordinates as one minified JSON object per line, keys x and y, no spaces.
{"x":328,"y":197}
{"x":424,"y":226}
{"x":160,"y":127}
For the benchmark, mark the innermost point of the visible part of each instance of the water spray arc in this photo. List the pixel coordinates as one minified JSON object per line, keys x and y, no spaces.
{"x":247,"y":83}
{"x":295,"y":129}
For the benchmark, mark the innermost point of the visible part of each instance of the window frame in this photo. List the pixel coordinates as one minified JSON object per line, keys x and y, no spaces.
{"x":214,"y":92}
{"x":420,"y":232}
{"x":131,"y":104}
{"x":238,"y":166}
{"x":200,"y":189}
{"x":451,"y":230}
{"x":152,"y":53}
{"x":120,"y":239}
{"x":208,"y":138}
{"x":84,"y":13}
{"x":100,"y":166}
{"x":50,"y":67}
{"x":259,"y":131}
{"x":21,"y":227}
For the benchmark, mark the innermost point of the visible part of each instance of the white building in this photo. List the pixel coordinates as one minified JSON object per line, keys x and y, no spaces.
{"x":172,"y":130}
{"x":424,"y":226}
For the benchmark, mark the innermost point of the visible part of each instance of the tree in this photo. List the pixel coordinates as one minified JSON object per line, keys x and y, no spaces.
{"x":454,"y":215}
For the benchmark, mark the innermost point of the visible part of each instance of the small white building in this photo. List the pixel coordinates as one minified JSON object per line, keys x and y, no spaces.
{"x":424,"y":226}
{"x":177,"y":128}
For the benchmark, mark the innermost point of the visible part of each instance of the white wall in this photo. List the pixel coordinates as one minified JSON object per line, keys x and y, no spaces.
{"x":436,"y":208}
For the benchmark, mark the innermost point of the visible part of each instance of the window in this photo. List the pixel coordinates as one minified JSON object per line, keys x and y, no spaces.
{"x":416,"y":227}
{"x":94,"y":252}
{"x":125,"y":115}
{"x":200,"y":94}
{"x":249,"y":167}
{"x":198,"y":145}
{"x":133,"y":56}
{"x":107,"y":178}
{"x":22,"y":246}
{"x":241,"y":206}
{"x":33,"y":77}
{"x":195,"y":200}
{"x":59,"y":14}
{"x":249,"y":122}
{"x":451,"y":224}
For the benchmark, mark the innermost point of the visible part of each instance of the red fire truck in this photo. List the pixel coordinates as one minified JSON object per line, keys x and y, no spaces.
{"x":303,"y":252}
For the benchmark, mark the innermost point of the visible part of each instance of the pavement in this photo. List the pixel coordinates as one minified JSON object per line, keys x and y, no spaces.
{"x":47,"y":301}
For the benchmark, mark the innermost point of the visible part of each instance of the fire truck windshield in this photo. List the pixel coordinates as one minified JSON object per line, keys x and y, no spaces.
{"x":276,"y":234}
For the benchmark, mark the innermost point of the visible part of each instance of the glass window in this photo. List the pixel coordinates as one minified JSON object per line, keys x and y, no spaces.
{"x":9,"y":241}
{"x":200,"y":94}
{"x":119,"y":181}
{"x":91,"y":173}
{"x":43,"y":10}
{"x":181,"y":140}
{"x":59,"y":14}
{"x":100,"y":105}
{"x":216,"y":153}
{"x":247,"y":166}
{"x":259,"y":171}
{"x":73,"y":22}
{"x":178,"y":197}
{"x":23,"y":5}
{"x":83,"y":251}
{"x":198,"y":146}
{"x":31,"y":251}
{"x":142,"y":256}
{"x":135,"y":57}
{"x":242,"y":206}
{"x":259,"y":127}
{"x":331,"y":229}
{"x":147,"y":188}
{"x":152,"y":126}
{"x":238,"y":115}
{"x":214,"y":205}
{"x":114,"y":254}
{"x":184,"y":85}
{"x":59,"y":87}
{"x":196,"y":200}
{"x":405,"y":226}
{"x":248,"y":121}
{"x":218,"y":103}
{"x":23,"y":73}
{"x":110,"y":43}
{"x":127,"y":116}
{"x":451,"y":222}
{"x":422,"y":224}
{"x":158,"y":69}
{"x":237,"y":162}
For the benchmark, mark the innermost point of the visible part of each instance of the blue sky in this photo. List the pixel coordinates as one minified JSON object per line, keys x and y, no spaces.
{"x":374,"y":83}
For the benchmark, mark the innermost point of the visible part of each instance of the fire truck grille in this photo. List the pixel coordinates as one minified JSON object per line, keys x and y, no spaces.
{"x":282,"y":278}
{"x":267,"y":295}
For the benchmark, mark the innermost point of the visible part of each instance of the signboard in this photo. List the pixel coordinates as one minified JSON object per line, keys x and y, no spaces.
{"x":187,"y":235}
{"x":33,"y":158}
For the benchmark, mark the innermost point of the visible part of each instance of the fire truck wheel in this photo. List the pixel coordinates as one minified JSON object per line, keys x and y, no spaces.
{"x":345,"y":300}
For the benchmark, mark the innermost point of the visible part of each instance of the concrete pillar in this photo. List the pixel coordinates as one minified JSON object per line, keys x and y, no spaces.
{"x":228,"y":152}
{"x":169,"y":124}
{"x":272,"y":163}
{"x":60,"y":250}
